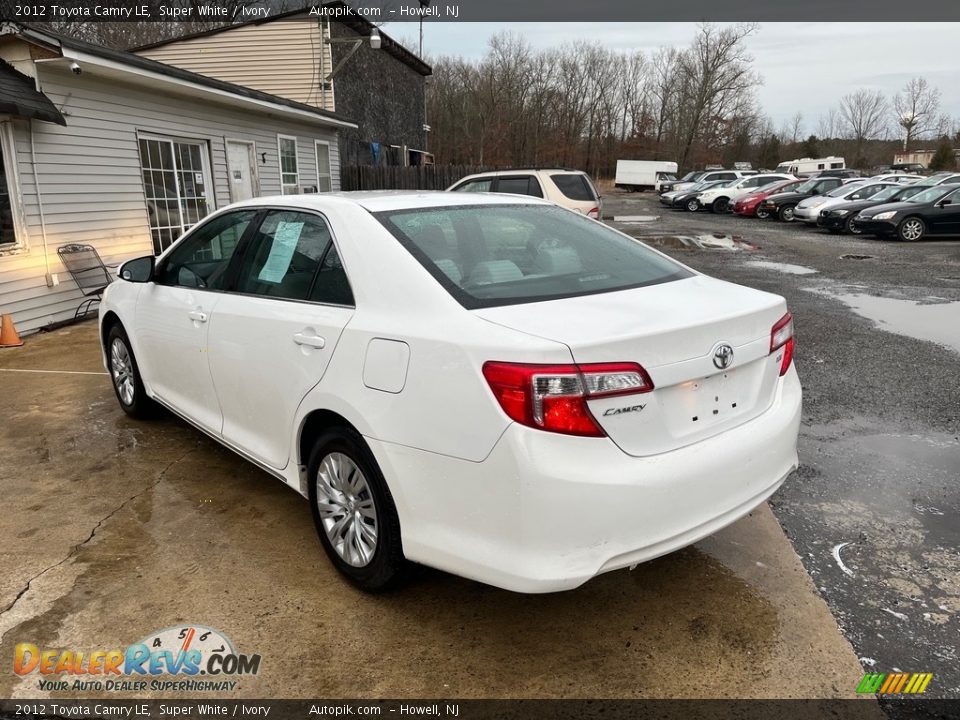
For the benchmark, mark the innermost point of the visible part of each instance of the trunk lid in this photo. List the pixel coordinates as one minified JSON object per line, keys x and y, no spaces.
{"x":672,"y":330}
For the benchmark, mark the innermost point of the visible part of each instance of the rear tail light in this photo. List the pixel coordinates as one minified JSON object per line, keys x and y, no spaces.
{"x":781,"y":336}
{"x":594,"y":213}
{"x":554,"y":397}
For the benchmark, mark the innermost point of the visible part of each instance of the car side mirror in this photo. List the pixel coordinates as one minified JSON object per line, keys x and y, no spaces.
{"x":856,"y":196}
{"x":138,"y":270}
{"x":945,"y":201}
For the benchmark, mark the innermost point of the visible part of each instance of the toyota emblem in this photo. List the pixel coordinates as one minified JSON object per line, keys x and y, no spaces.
{"x":723,"y":356}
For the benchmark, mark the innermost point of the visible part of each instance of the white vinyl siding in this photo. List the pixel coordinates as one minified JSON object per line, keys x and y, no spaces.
{"x":284,"y":58}
{"x":289,"y":165}
{"x":91,"y":180}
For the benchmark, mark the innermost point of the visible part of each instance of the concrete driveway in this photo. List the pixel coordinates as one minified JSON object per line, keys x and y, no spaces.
{"x":115,"y":528}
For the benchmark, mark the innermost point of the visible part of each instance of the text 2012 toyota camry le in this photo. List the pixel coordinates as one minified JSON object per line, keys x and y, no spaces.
{"x":489,"y":385}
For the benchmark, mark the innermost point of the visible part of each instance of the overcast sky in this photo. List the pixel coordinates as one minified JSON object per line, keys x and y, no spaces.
{"x":805,"y":66}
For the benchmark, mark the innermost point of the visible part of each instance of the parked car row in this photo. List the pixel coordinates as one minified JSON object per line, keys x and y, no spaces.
{"x":909,"y":207}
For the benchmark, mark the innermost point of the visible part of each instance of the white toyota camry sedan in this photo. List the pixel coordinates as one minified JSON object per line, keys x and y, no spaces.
{"x":489,"y":385}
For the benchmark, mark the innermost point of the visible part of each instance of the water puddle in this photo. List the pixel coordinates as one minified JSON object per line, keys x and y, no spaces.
{"x":781,"y":267}
{"x":936,"y":321}
{"x":716,"y":241}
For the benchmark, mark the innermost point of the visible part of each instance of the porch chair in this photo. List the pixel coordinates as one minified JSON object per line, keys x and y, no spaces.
{"x":88,"y":271}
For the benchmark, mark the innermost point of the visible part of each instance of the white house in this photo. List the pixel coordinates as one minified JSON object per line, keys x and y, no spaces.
{"x":122,"y":152}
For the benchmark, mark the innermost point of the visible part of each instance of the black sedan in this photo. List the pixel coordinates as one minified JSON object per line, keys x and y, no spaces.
{"x":839,"y":218}
{"x":781,"y":205}
{"x":934,"y":211}
{"x":688,"y":198}
{"x":683,"y":198}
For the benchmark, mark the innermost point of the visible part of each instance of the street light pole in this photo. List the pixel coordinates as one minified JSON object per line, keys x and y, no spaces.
{"x":424,"y":4}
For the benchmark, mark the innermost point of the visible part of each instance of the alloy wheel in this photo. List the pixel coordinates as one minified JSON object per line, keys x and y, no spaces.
{"x":347,"y":509}
{"x":693,"y":206}
{"x":121,"y":367}
{"x":912,"y":229}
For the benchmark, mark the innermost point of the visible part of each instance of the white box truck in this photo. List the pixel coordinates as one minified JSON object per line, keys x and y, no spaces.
{"x":637,"y":175}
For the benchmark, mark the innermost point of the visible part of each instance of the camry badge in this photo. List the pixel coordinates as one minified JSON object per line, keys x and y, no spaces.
{"x":723,"y":356}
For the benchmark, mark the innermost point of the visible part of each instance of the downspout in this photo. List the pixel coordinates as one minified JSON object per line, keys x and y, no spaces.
{"x":36,"y":174}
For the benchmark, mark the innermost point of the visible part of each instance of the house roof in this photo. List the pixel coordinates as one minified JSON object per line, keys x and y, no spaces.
{"x":355,"y":22}
{"x":19,"y":97}
{"x":70,"y":47}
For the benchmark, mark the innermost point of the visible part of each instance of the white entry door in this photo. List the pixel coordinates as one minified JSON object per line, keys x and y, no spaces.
{"x":241,"y":169}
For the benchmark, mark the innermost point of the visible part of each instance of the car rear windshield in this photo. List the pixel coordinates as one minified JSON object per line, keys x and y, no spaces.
{"x":493,"y":255}
{"x":574,"y":186}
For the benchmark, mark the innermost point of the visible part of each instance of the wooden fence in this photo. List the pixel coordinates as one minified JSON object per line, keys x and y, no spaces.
{"x":392,"y":177}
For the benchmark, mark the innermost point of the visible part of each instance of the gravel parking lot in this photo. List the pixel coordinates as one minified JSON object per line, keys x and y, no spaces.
{"x":117,"y":528}
{"x":873,"y":510}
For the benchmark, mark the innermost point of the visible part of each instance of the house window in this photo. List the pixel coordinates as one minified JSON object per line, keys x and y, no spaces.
{"x":324,"y":175}
{"x":9,"y":197}
{"x":289,"y":172}
{"x":177,"y":185}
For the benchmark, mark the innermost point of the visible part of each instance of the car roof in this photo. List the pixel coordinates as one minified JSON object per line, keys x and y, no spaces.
{"x":380,"y":200}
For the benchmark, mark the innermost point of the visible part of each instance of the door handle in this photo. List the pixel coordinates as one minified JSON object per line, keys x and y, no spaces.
{"x":197,"y":315}
{"x":312,"y":340}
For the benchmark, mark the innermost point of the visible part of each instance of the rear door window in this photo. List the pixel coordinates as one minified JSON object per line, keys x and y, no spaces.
{"x":520,"y":185}
{"x":574,"y":186}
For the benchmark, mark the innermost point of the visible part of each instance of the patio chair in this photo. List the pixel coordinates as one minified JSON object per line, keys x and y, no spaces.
{"x":88,"y":271}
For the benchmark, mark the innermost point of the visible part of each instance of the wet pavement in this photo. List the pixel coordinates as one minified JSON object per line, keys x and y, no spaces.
{"x":874,"y":511}
{"x":115,"y":528}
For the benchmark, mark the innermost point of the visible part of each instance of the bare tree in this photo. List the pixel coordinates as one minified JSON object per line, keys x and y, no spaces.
{"x":864,"y":117}
{"x":917,"y":108}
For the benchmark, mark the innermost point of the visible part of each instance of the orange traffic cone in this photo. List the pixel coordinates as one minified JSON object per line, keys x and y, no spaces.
{"x":8,"y":333}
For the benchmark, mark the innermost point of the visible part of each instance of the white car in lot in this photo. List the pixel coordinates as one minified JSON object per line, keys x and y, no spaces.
{"x":720,"y":198}
{"x":486,"y":384}
{"x":808,"y":210}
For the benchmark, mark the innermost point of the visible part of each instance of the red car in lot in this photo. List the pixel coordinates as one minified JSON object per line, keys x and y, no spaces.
{"x":748,"y":204}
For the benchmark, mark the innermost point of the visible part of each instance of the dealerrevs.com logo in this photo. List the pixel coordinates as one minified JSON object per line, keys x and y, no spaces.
{"x":185,"y":658}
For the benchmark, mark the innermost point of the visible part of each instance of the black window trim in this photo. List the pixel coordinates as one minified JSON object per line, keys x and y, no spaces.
{"x":234,"y":267}
{"x":469,"y":302}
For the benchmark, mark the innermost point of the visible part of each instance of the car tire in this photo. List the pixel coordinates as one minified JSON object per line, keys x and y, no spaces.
{"x":693,"y":205}
{"x":721,"y":205}
{"x":850,"y":228}
{"x":125,"y":376}
{"x":344,"y":478}
{"x":785,"y":213}
{"x":762,"y":214}
{"x":911,"y":229}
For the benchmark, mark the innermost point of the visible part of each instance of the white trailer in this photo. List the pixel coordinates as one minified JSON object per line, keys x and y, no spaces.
{"x":636,"y":175}
{"x":811,"y":165}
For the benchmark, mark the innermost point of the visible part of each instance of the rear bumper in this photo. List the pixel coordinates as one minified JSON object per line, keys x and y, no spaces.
{"x":546,"y":512}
